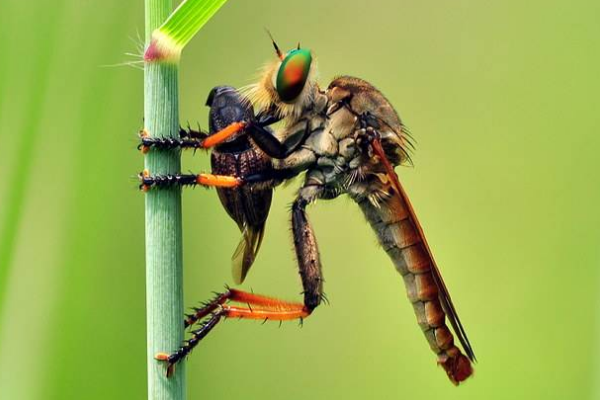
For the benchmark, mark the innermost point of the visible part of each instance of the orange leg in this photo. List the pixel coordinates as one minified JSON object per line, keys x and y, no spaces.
{"x":257,"y":307}
{"x":265,"y":314}
{"x":288,"y":310}
{"x":218,"y":180}
{"x":223,"y":134}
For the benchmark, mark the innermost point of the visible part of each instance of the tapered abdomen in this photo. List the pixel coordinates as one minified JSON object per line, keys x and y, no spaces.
{"x":399,"y":235}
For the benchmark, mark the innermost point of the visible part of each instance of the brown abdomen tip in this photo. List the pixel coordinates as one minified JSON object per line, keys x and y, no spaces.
{"x":458,"y":367}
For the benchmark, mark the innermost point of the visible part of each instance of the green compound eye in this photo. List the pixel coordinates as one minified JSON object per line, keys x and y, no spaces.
{"x":292,"y":74}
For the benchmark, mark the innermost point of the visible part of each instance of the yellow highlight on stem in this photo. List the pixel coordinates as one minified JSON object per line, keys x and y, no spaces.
{"x":162,"y":48}
{"x":168,"y":41}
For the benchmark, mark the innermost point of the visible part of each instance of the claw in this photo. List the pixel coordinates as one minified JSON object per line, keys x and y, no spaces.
{"x":165,"y":357}
{"x":143,"y":148}
{"x":144,"y":187}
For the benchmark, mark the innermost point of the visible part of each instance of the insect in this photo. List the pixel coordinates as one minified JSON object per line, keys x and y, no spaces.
{"x":247,"y":205}
{"x":347,"y":138}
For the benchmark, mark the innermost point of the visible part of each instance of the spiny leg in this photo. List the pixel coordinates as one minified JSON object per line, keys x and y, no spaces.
{"x":262,"y":307}
{"x":148,"y":181}
{"x":257,"y":307}
{"x":189,"y":139}
{"x":240,"y":296}
{"x":189,"y":344}
{"x":305,"y":243}
{"x":207,"y":308}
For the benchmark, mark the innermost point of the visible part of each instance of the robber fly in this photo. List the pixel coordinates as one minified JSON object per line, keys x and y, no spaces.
{"x":347,"y":139}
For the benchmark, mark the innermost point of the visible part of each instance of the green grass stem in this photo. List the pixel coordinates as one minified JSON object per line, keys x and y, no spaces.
{"x":164,"y":269}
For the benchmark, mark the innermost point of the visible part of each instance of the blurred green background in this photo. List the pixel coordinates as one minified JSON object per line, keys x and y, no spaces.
{"x":502,"y":100}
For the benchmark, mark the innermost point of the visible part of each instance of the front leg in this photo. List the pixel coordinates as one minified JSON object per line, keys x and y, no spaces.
{"x":270,"y":144}
{"x":230,"y":114}
{"x":190,"y":139}
{"x":262,"y":136}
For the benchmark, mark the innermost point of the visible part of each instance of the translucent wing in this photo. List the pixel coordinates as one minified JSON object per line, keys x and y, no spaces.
{"x":246,"y":252}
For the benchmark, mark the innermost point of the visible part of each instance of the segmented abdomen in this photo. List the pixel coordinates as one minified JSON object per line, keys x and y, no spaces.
{"x":400,"y":238}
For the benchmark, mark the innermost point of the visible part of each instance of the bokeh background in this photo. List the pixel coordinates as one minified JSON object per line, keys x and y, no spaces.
{"x":502,"y":98}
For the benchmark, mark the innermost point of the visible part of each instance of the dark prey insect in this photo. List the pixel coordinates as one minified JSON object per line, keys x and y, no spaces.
{"x":235,"y":153}
{"x":347,"y":139}
{"x":247,"y":205}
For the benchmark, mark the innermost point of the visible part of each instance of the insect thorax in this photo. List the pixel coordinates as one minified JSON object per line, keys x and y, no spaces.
{"x":337,"y":157}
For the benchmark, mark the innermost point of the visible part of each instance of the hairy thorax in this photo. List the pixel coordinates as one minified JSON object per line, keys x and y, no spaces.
{"x":330,"y":154}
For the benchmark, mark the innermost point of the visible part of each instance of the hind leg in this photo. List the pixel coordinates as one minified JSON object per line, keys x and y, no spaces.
{"x":252,"y":306}
{"x":259,"y":307}
{"x":307,"y":251}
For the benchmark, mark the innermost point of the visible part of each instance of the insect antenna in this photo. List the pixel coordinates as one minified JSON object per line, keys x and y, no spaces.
{"x":279,"y":54}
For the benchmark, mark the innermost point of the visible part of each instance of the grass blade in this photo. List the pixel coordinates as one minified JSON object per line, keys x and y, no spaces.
{"x":171,"y":37}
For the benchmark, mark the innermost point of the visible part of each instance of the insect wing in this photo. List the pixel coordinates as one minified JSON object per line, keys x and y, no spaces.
{"x":246,"y":252}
